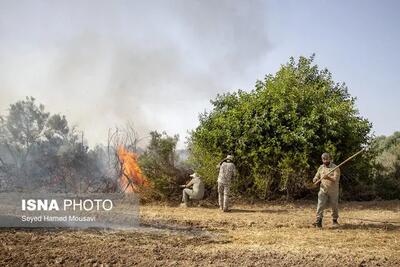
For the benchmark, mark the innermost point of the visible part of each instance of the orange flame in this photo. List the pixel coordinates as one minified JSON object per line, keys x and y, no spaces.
{"x":131,"y":179}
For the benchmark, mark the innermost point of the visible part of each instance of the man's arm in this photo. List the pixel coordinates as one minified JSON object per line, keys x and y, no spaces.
{"x":317,"y":175}
{"x":220,"y":163}
{"x":188,"y":184}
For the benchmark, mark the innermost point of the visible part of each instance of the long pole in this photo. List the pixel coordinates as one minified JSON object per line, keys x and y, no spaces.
{"x":341,"y":164}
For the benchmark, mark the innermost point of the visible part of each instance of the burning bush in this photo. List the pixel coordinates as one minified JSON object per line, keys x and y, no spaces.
{"x":131,"y":177}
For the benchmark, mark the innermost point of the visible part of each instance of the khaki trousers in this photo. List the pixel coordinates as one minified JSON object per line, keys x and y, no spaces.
{"x":325,"y":200}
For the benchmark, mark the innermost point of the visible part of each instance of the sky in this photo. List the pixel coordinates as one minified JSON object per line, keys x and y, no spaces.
{"x":157,"y":64}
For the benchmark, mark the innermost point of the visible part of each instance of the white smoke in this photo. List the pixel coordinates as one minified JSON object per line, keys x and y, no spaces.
{"x":102,"y":63}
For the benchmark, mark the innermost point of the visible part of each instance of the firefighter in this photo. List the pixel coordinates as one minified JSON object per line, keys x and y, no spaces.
{"x":329,"y":190}
{"x":197,"y":191}
{"x":227,"y":171}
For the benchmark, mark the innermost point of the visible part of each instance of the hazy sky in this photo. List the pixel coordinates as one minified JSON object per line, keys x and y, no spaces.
{"x":158,"y":63}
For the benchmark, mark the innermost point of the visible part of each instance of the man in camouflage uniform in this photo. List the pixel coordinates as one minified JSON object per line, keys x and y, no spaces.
{"x":329,"y":190}
{"x":227,"y":171}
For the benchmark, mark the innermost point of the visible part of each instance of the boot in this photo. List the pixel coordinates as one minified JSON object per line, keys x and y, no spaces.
{"x":318,"y":223}
{"x":335,"y":223}
{"x":183,"y":205}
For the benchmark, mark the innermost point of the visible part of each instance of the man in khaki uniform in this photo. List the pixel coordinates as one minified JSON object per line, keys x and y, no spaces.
{"x":329,"y":190}
{"x":196,"y":193}
{"x":227,"y":171}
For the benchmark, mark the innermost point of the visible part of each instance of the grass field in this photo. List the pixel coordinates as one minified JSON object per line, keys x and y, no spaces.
{"x":275,"y":234}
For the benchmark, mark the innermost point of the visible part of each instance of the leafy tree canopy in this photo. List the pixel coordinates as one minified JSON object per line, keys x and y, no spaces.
{"x":279,"y":130}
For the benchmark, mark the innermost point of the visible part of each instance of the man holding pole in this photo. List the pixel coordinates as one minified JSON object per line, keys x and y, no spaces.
{"x":329,"y":175}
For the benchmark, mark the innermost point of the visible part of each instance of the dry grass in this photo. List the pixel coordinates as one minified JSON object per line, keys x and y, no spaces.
{"x":262,"y":234}
{"x":369,"y":231}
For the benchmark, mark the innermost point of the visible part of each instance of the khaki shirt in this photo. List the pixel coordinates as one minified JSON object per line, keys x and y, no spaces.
{"x":198,"y":186}
{"x":328,"y":186}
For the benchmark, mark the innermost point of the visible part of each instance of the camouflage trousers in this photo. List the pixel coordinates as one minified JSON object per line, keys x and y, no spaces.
{"x":325,"y":200}
{"x":223,"y":196}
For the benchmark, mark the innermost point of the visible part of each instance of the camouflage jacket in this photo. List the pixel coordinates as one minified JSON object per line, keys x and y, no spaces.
{"x":227,"y":171}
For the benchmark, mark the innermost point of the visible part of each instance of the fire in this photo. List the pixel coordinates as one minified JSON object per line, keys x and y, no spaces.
{"x":131,"y":179}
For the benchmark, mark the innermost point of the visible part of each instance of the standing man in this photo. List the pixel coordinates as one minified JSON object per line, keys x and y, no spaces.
{"x":329,"y":190}
{"x":227,"y":171}
{"x":196,"y":193}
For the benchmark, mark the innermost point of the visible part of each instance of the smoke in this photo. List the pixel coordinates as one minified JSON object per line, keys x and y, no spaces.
{"x":102,"y":63}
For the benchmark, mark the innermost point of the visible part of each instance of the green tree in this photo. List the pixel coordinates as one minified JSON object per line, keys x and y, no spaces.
{"x":57,"y":128}
{"x":162,"y":148}
{"x":22,"y":128}
{"x":36,"y":147}
{"x":387,"y":166}
{"x":279,"y":130}
{"x":159,"y":164}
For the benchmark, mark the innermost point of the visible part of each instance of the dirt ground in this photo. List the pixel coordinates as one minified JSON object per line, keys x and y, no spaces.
{"x":270,"y":234}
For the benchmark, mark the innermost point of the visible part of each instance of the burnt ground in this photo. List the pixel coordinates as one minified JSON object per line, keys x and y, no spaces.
{"x":261,"y":234}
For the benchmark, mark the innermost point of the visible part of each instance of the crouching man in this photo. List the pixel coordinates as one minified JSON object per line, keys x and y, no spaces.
{"x":329,"y":190}
{"x":196,"y":193}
